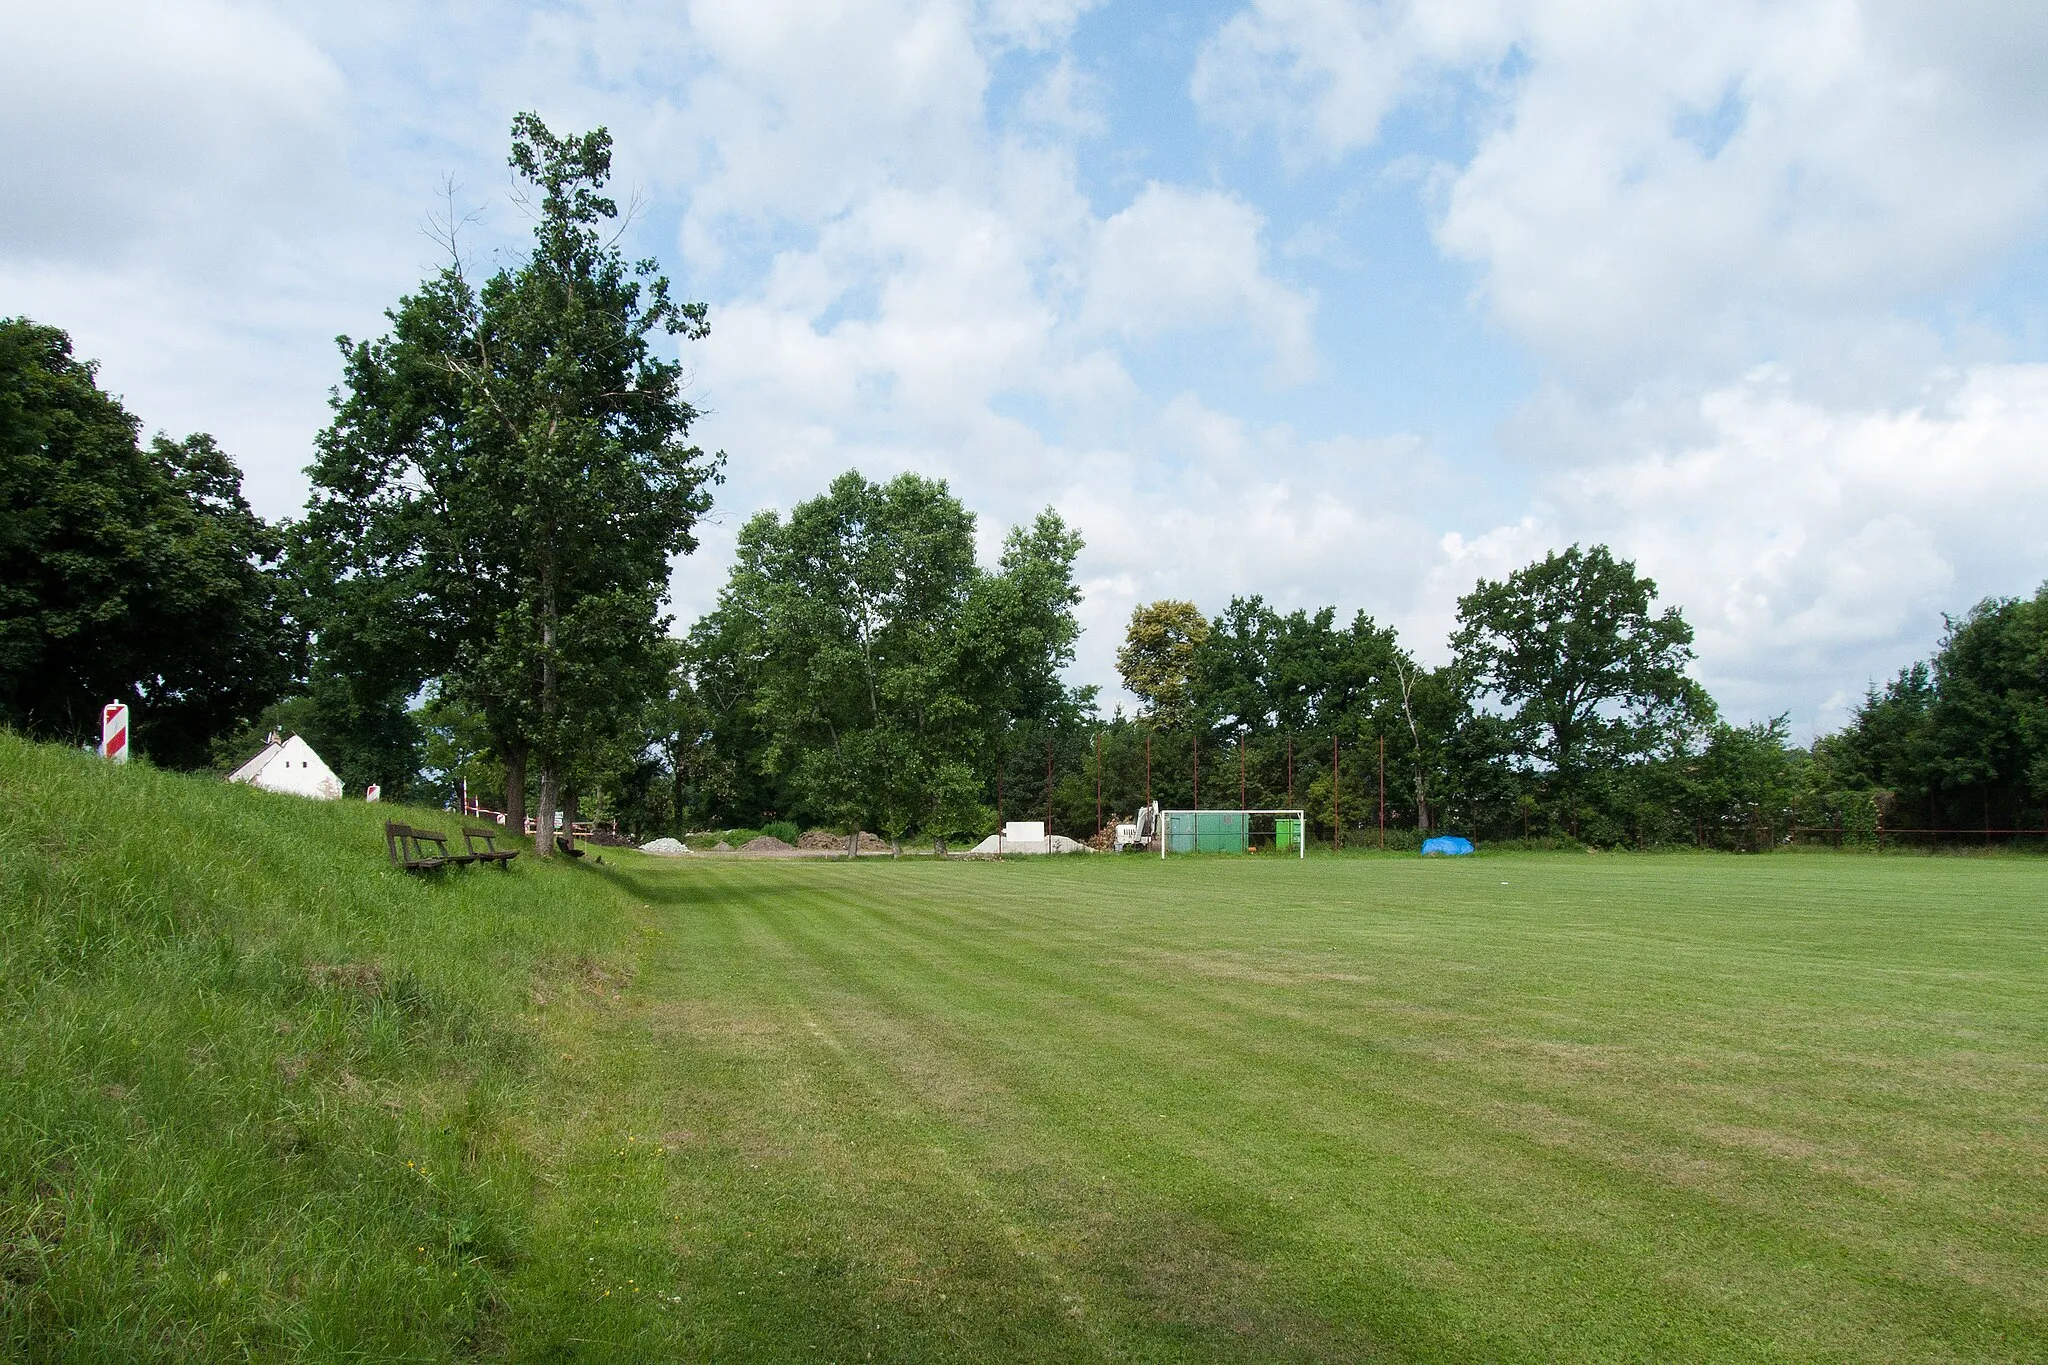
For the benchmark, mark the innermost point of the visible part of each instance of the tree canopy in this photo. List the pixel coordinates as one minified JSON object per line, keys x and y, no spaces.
{"x":1158,"y":655}
{"x":880,"y":666}
{"x":1588,"y":676}
{"x":505,"y":482}
{"x":127,"y":572}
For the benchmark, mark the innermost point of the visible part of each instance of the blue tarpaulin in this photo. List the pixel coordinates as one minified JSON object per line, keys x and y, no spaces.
{"x":1446,"y":846}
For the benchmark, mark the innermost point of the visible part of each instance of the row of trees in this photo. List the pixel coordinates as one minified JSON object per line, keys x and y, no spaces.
{"x":1566,"y":711}
{"x":1566,"y":708}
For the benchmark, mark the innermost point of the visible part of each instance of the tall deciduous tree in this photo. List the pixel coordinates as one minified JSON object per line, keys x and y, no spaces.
{"x":882,"y":666}
{"x":1589,"y":676}
{"x":126,"y":572}
{"x":1157,"y":659}
{"x":508,"y":477}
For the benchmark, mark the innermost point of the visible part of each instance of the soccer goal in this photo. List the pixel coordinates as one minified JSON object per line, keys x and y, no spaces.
{"x":1234,"y":831}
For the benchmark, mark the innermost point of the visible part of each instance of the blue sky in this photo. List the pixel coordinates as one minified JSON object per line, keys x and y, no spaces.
{"x":1330,"y":300}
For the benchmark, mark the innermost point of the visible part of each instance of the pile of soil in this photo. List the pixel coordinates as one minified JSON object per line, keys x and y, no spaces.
{"x":721,"y":847}
{"x":764,"y":843}
{"x":826,"y":839}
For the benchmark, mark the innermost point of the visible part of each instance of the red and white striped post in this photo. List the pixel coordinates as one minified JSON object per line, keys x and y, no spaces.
{"x":114,"y":731}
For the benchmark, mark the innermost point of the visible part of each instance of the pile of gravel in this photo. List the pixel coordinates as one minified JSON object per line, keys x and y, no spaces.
{"x":765,"y":843}
{"x":665,"y":848}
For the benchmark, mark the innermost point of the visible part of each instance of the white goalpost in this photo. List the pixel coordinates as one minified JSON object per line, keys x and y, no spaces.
{"x":1233,"y":831}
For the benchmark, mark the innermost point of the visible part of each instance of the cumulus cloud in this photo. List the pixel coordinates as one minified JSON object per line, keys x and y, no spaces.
{"x":1178,"y":258}
{"x":1677,"y":184}
{"x":124,"y":119}
{"x":1807,"y":543}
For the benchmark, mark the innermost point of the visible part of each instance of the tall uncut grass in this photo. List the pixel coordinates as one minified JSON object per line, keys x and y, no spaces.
{"x":259,"y":1092}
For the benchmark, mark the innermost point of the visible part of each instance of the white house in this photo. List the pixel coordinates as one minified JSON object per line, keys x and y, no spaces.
{"x":290,"y":766}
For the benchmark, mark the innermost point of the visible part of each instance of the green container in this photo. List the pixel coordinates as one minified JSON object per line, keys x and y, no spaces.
{"x":1208,"y":831}
{"x":1222,"y":831}
{"x":1286,"y":835}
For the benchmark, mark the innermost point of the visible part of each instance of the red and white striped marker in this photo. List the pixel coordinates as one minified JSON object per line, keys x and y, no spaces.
{"x":114,"y":731}
{"x":372,"y":792}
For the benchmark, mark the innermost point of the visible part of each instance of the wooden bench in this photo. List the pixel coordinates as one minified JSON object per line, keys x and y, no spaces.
{"x":408,"y":848}
{"x":490,"y":852}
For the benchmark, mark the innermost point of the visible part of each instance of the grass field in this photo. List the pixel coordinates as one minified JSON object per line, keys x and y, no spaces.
{"x":260,"y":1096}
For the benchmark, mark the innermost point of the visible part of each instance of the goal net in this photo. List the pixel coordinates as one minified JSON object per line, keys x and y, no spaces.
{"x":1234,"y":831}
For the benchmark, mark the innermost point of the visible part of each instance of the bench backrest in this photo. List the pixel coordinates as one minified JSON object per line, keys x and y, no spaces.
{"x":403,"y":842}
{"x":427,"y":836}
{"x":471,"y":836}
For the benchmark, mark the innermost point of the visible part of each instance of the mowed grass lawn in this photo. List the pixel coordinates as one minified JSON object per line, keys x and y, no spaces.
{"x":1503,"y":1108}
{"x":1515,"y":1108}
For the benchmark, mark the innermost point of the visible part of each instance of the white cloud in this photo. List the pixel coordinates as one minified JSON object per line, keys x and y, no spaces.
{"x":1813,"y":549}
{"x":1682,"y":184}
{"x":1323,"y":74}
{"x":128,"y":119}
{"x":1033,"y":24}
{"x":1179,"y":258}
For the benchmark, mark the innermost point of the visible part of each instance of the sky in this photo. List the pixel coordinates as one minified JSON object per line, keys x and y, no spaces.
{"x":1331,"y":301}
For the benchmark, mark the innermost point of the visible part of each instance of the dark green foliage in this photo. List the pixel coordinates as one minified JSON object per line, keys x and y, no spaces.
{"x":1961,"y":740}
{"x":864,"y":666}
{"x":1588,"y":678}
{"x":504,"y":483}
{"x":126,"y":573}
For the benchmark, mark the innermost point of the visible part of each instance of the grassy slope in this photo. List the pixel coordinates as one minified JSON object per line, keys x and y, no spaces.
{"x":258,"y":1092}
{"x":1619,"y":1107}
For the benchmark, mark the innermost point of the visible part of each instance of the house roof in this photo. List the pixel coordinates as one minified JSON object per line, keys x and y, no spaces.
{"x":248,"y":771}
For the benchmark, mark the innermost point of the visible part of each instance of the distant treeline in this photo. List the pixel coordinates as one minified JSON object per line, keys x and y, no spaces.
{"x":472,"y":603}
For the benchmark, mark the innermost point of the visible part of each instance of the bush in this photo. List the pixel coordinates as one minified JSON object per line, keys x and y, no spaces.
{"x":782,"y":829}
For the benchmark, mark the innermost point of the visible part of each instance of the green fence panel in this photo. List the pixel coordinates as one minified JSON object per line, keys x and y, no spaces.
{"x":1180,"y":832}
{"x":1286,"y":835}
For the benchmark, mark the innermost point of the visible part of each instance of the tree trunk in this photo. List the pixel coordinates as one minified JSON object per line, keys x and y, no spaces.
{"x":544,"y":814}
{"x":569,"y":803}
{"x":550,"y":705}
{"x":676,"y":771}
{"x":515,"y":790}
{"x":853,"y":843}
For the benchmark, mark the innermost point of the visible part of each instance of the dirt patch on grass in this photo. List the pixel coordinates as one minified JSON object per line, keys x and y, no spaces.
{"x":365,"y":978}
{"x":1782,"y":1146}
